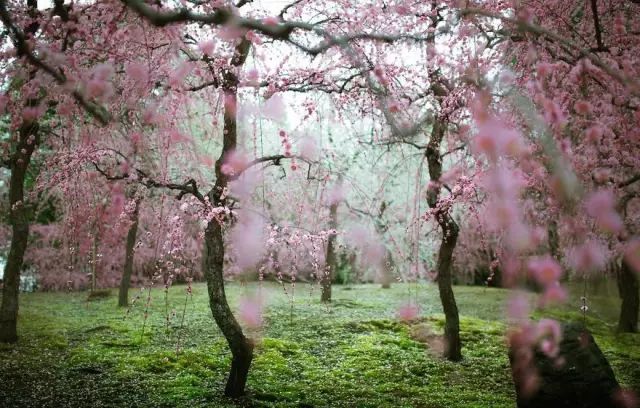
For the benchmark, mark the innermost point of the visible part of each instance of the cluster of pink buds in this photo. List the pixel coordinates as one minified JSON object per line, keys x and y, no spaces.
{"x":286,"y":143}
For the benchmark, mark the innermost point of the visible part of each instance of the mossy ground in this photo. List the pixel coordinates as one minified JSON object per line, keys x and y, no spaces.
{"x":354,"y":353}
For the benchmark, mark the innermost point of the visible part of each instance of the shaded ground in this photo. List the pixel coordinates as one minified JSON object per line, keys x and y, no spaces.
{"x":78,"y":354}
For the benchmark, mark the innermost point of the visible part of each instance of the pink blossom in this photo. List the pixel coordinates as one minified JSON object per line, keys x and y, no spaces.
{"x":544,"y":69}
{"x":632,"y":254}
{"x":31,"y":114}
{"x":583,"y":108}
{"x":248,"y":240}
{"x":588,"y":257}
{"x":553,"y":294}
{"x":601,"y":206}
{"x":594,"y":134}
{"x":626,"y":398}
{"x":336,"y":194}
{"x":408,"y":312}
{"x":602,"y":175}
{"x":553,"y":114}
{"x":271,"y":20}
{"x":309,"y":148}
{"x":545,"y":270}
{"x":234,"y":163}
{"x":274,"y":108}
{"x":250,"y":311}
{"x":175,"y":136}
{"x":518,"y":307}
{"x":181,"y":72}
{"x":207,"y":47}
{"x":138,"y":72}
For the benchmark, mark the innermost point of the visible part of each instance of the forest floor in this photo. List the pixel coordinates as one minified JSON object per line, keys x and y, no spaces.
{"x":353,"y":353}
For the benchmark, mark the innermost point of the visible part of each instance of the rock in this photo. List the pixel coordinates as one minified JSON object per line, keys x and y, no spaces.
{"x":585,"y":380}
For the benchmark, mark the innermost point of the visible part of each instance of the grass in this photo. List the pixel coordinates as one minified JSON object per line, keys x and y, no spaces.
{"x":75,"y":353}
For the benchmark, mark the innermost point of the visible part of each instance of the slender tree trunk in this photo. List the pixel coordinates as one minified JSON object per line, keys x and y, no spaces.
{"x":241,"y":347}
{"x":18,"y":218}
{"x":94,"y":260}
{"x":453,"y":345}
{"x":552,"y":235}
{"x":331,"y":258}
{"x":387,"y":268}
{"x":629,"y":289}
{"x":125,"y":283}
{"x":213,"y":262}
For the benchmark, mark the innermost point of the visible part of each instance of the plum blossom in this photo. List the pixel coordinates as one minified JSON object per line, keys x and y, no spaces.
{"x":408,"y":312}
{"x":545,"y":270}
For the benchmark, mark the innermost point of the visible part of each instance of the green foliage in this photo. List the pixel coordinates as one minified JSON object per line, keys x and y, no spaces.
{"x":354,"y":352}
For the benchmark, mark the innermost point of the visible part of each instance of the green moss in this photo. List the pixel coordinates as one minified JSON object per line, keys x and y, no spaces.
{"x":351,"y":353}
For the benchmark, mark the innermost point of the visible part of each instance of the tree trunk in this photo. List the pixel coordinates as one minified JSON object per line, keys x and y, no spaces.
{"x":241,"y":347}
{"x":331,"y":260}
{"x":628,"y":287}
{"x":123,"y":294}
{"x":213,"y":262}
{"x":18,"y":218}
{"x":453,"y":345}
{"x":387,"y":268}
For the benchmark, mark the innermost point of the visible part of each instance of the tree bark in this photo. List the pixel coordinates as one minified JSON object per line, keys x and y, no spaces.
{"x":387,"y":268}
{"x":453,"y":345}
{"x":629,"y":289}
{"x":125,"y":283}
{"x":241,"y":347}
{"x":331,"y":260}
{"x":213,"y":262}
{"x":18,"y":218}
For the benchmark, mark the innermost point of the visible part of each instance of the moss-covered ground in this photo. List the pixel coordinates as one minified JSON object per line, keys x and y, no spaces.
{"x":354,"y":353}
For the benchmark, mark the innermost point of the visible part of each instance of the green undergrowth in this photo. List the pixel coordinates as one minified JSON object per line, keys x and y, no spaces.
{"x":353,"y":353}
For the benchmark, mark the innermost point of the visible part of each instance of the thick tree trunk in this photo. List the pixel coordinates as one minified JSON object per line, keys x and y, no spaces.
{"x":241,"y":347}
{"x":18,"y":218}
{"x":453,"y":345}
{"x":628,"y":287}
{"x":331,"y":260}
{"x":125,"y":283}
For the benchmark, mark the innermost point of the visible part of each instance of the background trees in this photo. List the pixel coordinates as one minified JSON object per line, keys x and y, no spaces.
{"x":523,"y":115}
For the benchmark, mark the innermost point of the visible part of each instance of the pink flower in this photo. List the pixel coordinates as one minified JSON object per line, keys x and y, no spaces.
{"x":553,"y":113}
{"x":495,"y":139}
{"x":336,"y":194}
{"x":632,"y":254}
{"x":408,"y":312}
{"x":271,"y":21}
{"x":250,"y":311}
{"x":594,"y":134}
{"x":588,"y":257}
{"x":518,"y":307}
{"x":138,"y":72}
{"x":207,"y":47}
{"x":178,"y":76}
{"x":583,"y":108}
{"x":234,"y":163}
{"x":601,"y":206}
{"x":248,"y":240}
{"x":544,"y":69}
{"x":31,"y":114}
{"x":309,"y":149}
{"x":553,"y":294}
{"x":546,"y":271}
{"x":626,"y":398}
{"x":601,"y":176}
